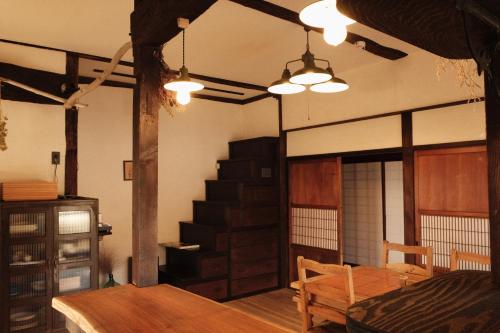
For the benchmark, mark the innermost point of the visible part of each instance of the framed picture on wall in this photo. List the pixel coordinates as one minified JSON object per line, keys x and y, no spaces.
{"x":128,"y":171}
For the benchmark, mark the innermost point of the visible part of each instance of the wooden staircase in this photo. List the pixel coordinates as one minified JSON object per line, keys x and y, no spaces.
{"x":237,"y":227}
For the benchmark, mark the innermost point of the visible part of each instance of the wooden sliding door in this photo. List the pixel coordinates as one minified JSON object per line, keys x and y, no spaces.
{"x":451,"y":202}
{"x":315,"y":211}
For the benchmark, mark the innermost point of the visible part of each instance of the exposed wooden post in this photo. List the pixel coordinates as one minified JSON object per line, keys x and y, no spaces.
{"x":153,"y":23}
{"x":283,"y":188}
{"x":408,"y":183}
{"x":71,"y":129}
{"x":493,"y":146}
{"x":145,"y":183}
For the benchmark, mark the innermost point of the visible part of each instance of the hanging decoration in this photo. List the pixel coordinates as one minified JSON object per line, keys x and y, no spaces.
{"x":3,"y":125}
{"x":183,"y":85}
{"x":324,"y":14}
{"x":318,"y":79}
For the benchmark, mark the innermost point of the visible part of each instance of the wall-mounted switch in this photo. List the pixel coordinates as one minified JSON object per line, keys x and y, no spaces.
{"x":56,"y":157}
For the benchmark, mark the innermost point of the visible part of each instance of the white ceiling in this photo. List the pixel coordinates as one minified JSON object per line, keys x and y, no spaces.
{"x":228,"y":41}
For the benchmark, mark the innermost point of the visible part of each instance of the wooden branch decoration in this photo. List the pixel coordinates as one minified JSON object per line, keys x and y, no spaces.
{"x":98,"y":81}
{"x":38,"y":91}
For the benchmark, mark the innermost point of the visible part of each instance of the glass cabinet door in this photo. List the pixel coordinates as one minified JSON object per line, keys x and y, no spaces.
{"x":73,"y":246}
{"x":29,"y":284}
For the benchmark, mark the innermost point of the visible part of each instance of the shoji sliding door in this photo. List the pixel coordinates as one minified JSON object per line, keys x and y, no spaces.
{"x":452,"y":202}
{"x":315,"y":211}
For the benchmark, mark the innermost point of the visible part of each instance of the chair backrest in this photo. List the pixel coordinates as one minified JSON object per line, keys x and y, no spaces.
{"x":408,"y":268}
{"x":457,"y":256}
{"x":308,"y":290}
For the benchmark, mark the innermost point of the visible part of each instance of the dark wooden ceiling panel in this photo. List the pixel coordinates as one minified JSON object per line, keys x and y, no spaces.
{"x":434,"y":25}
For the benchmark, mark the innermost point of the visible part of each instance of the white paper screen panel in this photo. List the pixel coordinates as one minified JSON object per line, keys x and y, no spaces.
{"x":467,"y":234}
{"x":315,"y":227}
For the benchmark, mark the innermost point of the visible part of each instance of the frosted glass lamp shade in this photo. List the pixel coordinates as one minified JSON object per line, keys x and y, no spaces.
{"x":322,"y":13}
{"x":183,"y":97}
{"x":335,"y":34}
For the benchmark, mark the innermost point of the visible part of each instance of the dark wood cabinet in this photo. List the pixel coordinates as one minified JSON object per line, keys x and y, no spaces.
{"x":49,"y":248}
{"x":236,"y":227}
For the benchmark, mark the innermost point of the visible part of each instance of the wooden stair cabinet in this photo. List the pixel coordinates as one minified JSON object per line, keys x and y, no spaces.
{"x":49,"y":248}
{"x":237,"y":223}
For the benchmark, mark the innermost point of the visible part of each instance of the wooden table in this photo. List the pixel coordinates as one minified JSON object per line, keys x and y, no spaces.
{"x":368,"y":282}
{"x":461,"y":301}
{"x":161,"y":308}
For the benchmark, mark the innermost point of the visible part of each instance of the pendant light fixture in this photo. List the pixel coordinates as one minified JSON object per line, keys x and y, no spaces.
{"x":283,"y":86}
{"x":319,"y":79}
{"x":333,"y":85}
{"x":183,"y":85}
{"x":310,"y":73}
{"x":324,"y":14}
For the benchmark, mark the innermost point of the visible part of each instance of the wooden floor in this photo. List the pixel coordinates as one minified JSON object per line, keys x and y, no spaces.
{"x":276,"y":307}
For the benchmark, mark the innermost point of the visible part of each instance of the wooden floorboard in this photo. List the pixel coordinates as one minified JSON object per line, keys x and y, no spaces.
{"x":276,"y":307}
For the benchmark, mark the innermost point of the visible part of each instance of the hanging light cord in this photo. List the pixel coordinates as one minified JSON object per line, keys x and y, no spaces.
{"x":183,"y":46}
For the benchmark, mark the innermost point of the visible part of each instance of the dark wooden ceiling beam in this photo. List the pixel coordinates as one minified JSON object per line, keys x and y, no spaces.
{"x":433,"y":25}
{"x":42,"y":80}
{"x":154,"y":22}
{"x":293,"y":17}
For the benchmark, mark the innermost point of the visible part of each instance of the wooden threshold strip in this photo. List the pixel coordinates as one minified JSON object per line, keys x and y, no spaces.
{"x":387,"y":114}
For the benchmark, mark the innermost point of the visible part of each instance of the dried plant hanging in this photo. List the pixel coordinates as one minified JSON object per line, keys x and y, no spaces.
{"x":466,"y":72}
{"x":167,"y":97}
{"x":3,"y":124}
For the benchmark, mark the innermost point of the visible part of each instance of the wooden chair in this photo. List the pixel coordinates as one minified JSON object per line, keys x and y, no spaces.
{"x":457,"y":256}
{"x":408,"y":268}
{"x":307,"y":291}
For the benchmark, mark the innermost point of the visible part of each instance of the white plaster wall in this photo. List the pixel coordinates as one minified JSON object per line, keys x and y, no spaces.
{"x":260,"y":118}
{"x":362,"y":135}
{"x":104,"y":142}
{"x":32,"y":57}
{"x":189,"y":146}
{"x":386,"y":86}
{"x":34,"y":131}
{"x":459,"y":123}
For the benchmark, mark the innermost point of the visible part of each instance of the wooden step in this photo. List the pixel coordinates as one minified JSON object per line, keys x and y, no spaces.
{"x":213,"y":288}
{"x":202,"y":264}
{"x":232,"y":215}
{"x":262,"y":148}
{"x":253,"y":237}
{"x":210,"y":238}
{"x":245,"y":169}
{"x":245,"y":193}
{"x":253,"y":284}
{"x":255,"y":252}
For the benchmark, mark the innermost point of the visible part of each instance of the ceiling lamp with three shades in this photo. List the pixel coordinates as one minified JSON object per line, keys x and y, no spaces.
{"x":321,"y":14}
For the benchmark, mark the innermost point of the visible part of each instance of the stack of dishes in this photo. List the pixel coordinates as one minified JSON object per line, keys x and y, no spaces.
{"x":23,"y":320}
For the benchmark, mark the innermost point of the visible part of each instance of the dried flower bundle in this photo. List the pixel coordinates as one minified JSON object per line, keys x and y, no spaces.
{"x":466,"y":72}
{"x":167,"y":97}
{"x":3,"y":125}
